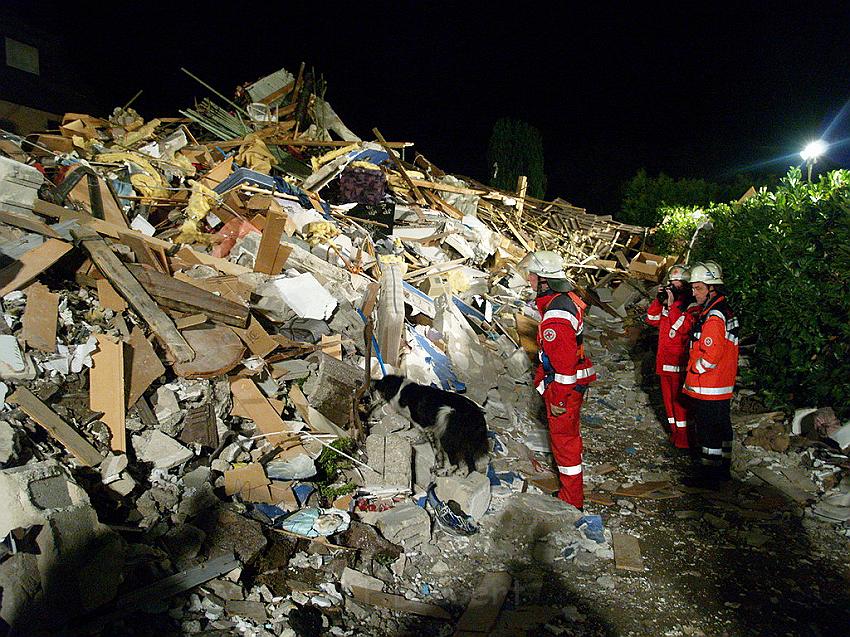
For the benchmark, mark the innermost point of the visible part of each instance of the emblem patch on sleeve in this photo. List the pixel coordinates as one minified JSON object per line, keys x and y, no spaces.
{"x":708,"y":341}
{"x":549,"y":335}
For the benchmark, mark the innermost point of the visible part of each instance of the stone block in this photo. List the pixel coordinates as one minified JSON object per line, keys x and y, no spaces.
{"x":160,"y":450}
{"x":332,"y":395}
{"x":472,"y":493}
{"x":350,"y":578}
{"x":424,"y":460}
{"x":391,"y":459}
{"x":29,"y":494}
{"x":405,"y":524}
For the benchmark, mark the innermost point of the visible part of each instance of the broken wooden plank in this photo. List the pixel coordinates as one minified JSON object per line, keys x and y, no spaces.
{"x":782,"y":484}
{"x":397,"y":603}
{"x":106,"y":388}
{"x":145,"y":366}
{"x":199,"y":426}
{"x":144,"y":251}
{"x":627,"y":555}
{"x":30,"y":264}
{"x":39,"y":323}
{"x":76,"y":445}
{"x":486,"y":603}
{"x":643,"y":489}
{"x":27,"y":222}
{"x":257,"y":339}
{"x":109,"y":298}
{"x":193,"y":320}
{"x":249,"y":482}
{"x":185,"y":297}
{"x":218,"y":349}
{"x":270,"y":241}
{"x":260,"y":411}
{"x":132,"y":291}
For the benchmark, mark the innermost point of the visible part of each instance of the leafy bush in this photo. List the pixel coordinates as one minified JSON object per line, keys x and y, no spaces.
{"x":785,"y":255}
{"x":678,"y":224}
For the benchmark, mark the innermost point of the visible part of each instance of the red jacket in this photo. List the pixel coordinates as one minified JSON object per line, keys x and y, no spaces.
{"x":713,"y":362}
{"x":674,"y":335}
{"x":563,"y":361}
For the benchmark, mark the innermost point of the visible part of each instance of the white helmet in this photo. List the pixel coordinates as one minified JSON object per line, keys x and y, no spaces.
{"x":545,"y":264}
{"x":708,"y":273}
{"x":679,"y":272}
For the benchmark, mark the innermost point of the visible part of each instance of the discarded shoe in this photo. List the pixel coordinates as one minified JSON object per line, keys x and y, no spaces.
{"x":450,"y":516}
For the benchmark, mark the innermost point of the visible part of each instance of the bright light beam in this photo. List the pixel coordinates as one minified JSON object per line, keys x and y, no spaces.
{"x":813,"y":150}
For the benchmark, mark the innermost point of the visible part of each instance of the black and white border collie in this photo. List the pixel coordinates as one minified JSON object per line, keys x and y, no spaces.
{"x":452,"y":420}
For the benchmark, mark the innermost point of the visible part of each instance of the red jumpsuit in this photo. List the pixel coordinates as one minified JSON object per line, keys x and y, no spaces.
{"x":671,"y":361}
{"x":562,"y":378}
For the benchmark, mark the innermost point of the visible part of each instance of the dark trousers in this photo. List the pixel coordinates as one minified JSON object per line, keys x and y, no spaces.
{"x":713,"y":433}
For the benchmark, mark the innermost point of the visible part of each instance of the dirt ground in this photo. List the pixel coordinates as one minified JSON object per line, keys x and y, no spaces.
{"x":741,"y":561}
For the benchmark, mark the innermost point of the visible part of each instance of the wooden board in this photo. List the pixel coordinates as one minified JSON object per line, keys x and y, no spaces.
{"x":76,"y":445}
{"x":218,"y":349}
{"x":26,"y":222}
{"x":112,"y":212}
{"x":32,"y":263}
{"x":249,"y":482}
{"x":643,"y":489}
{"x":526,"y":328}
{"x":145,"y":366}
{"x":128,"y":287}
{"x":270,"y":242}
{"x":627,"y":555}
{"x":397,"y":603}
{"x":39,"y":323}
{"x":486,"y":603}
{"x":106,"y":388}
{"x":109,"y":298}
{"x":257,"y":339}
{"x":144,"y":251}
{"x":185,"y":297}
{"x":252,"y":400}
{"x":193,"y":320}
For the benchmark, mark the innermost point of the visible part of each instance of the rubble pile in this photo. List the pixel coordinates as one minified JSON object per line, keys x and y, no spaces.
{"x":193,"y":310}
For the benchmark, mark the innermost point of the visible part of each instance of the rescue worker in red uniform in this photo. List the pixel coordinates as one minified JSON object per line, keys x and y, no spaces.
{"x":565,"y":370}
{"x":710,"y":379}
{"x":670,"y":313}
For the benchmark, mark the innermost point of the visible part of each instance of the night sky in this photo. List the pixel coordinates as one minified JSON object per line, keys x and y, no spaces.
{"x":695,"y":92}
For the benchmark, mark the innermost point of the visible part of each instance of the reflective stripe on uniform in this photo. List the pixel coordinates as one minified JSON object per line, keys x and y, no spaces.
{"x":562,"y":314}
{"x":705,"y":364}
{"x":665,"y":312}
{"x":653,"y":317}
{"x":670,"y":368}
{"x":711,"y":451}
{"x":678,"y":322}
{"x":541,"y":387}
{"x":565,"y":379}
{"x":570,"y":471}
{"x":710,"y":391}
{"x":585,"y":373}
{"x":681,"y":424}
{"x":698,"y":366}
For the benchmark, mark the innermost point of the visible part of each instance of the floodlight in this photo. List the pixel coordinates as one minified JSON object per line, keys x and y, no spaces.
{"x":813,"y":150}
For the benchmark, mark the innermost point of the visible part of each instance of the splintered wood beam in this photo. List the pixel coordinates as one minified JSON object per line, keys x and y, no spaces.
{"x":397,"y":163}
{"x":69,"y":437}
{"x":132,"y":291}
{"x":185,"y":297}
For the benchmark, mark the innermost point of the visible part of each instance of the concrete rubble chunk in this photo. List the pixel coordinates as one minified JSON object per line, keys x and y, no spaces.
{"x":161,"y":450}
{"x":472,"y":493}
{"x":23,"y":508}
{"x":112,"y":466}
{"x":332,"y":393}
{"x":167,"y":410}
{"x":8,"y":443}
{"x":350,"y":578}
{"x":391,"y":459}
{"x":228,"y":531}
{"x":405,"y":524}
{"x":424,"y":460}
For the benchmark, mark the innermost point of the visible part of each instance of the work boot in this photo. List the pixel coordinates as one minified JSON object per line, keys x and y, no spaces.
{"x":704,"y":478}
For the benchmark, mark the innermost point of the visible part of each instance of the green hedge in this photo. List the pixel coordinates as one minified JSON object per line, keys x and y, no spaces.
{"x":785,"y":255}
